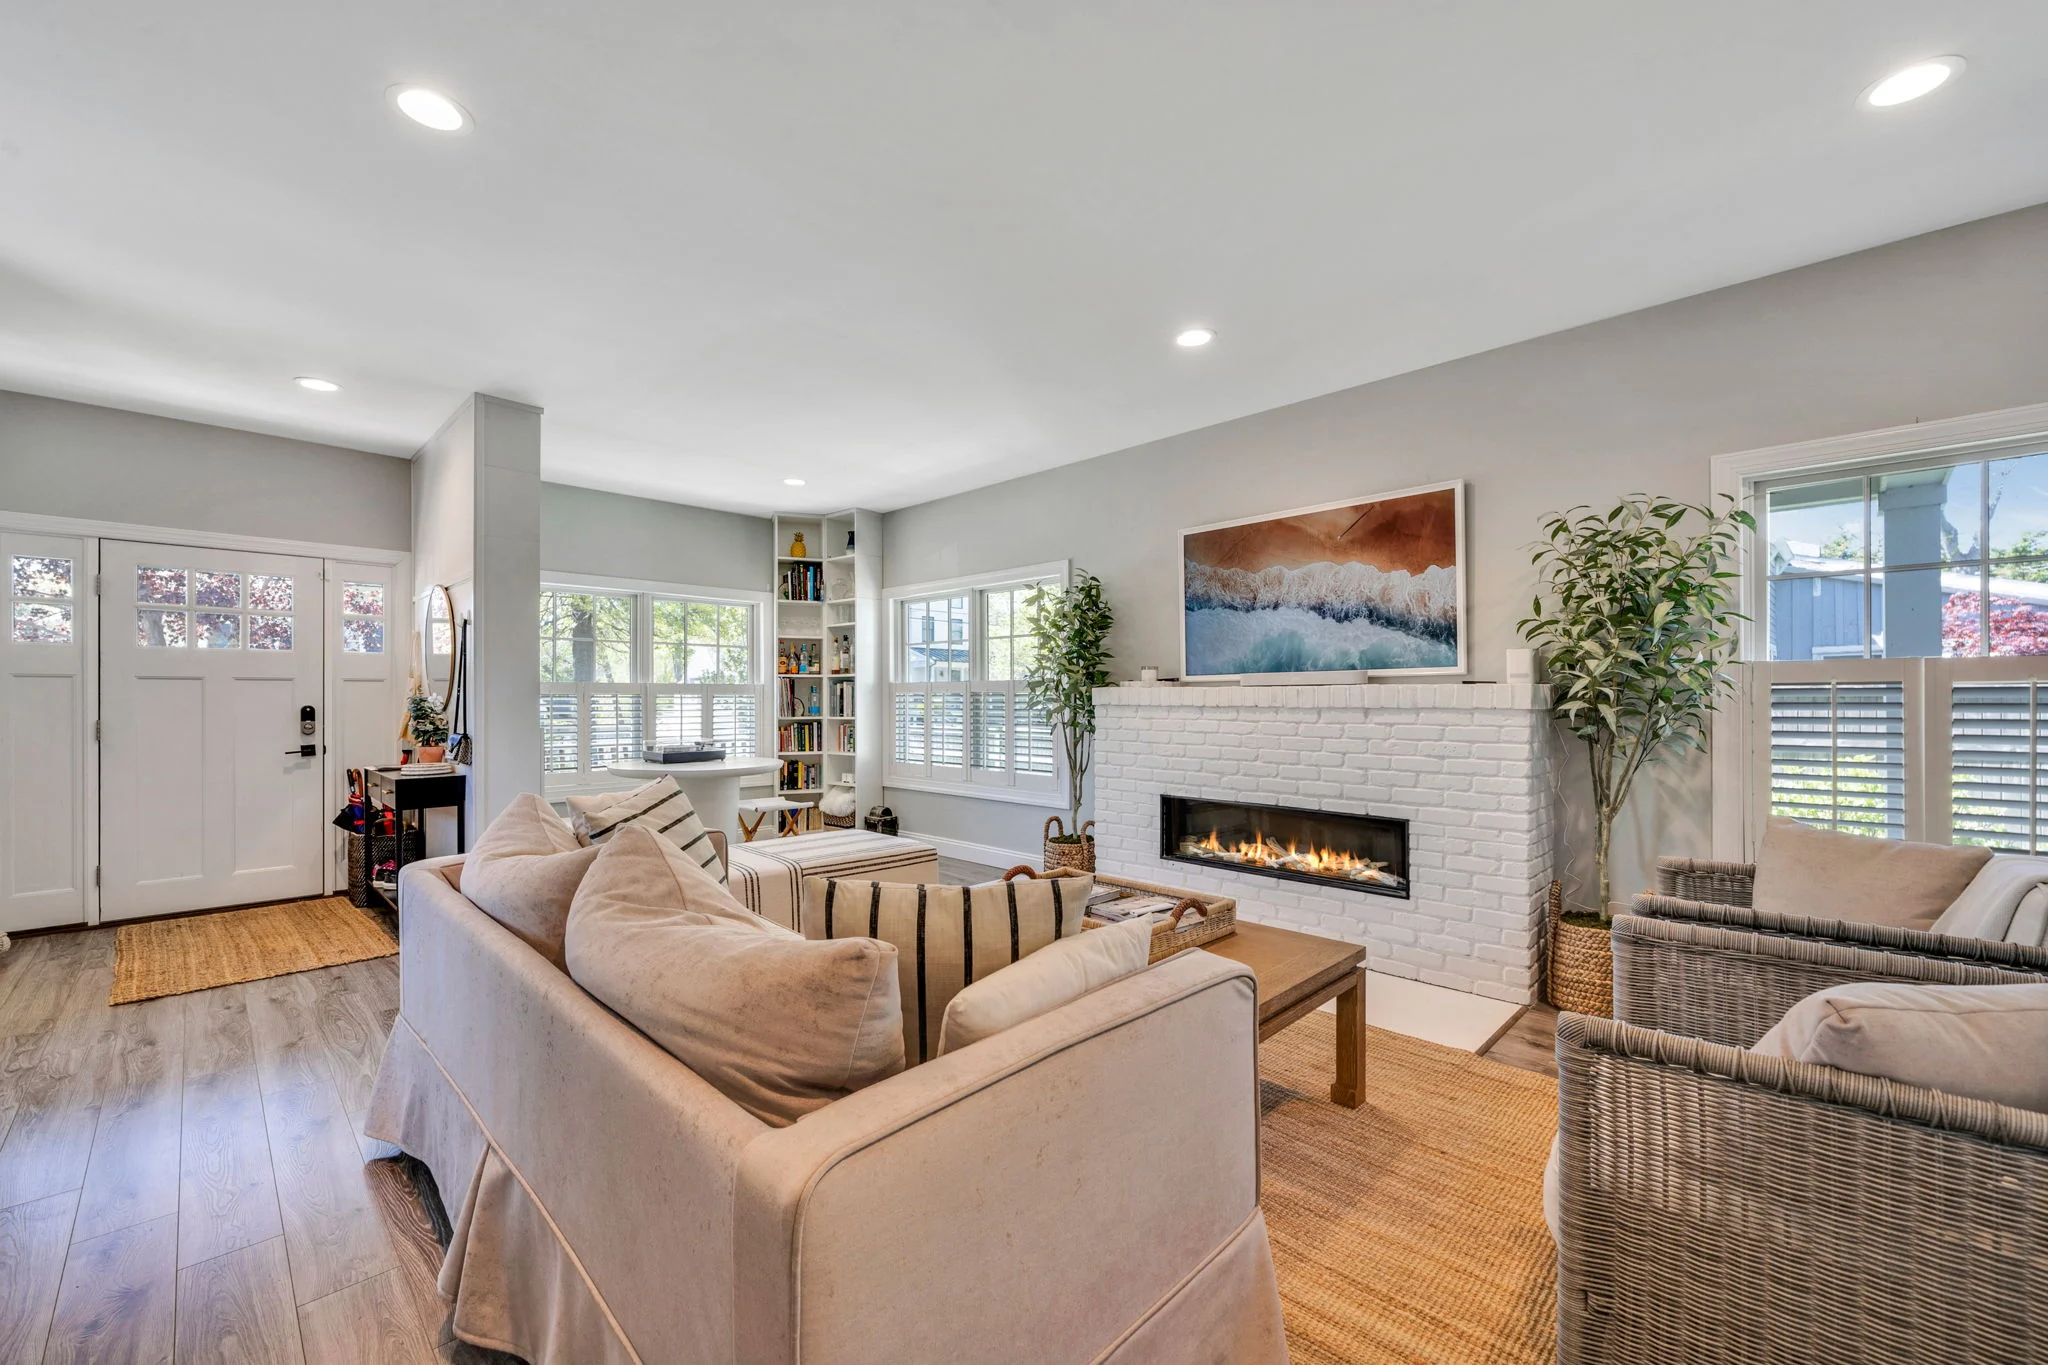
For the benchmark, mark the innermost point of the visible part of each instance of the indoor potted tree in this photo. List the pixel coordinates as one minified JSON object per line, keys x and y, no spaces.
{"x":428,"y":727}
{"x":1634,"y":619}
{"x":1069,"y":634}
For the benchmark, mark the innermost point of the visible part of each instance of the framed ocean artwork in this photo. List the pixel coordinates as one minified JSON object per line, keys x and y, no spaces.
{"x":1330,"y":593}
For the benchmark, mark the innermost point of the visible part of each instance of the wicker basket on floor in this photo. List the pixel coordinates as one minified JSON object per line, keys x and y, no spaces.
{"x":1061,"y":851}
{"x":836,"y":821}
{"x":1580,"y":961}
{"x":383,"y":849}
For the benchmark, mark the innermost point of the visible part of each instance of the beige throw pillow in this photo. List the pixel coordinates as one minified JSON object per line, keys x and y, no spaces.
{"x":780,"y":1025}
{"x":1805,"y":871}
{"x":947,"y":937}
{"x":637,"y":867}
{"x":524,"y":871}
{"x":658,"y":805}
{"x":1980,"y":1042}
{"x":1051,"y":977}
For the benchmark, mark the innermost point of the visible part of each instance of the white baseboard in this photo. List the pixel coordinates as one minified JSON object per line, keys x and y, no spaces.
{"x":986,"y":854}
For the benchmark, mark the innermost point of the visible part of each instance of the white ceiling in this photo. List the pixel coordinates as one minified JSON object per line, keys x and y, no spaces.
{"x":904,"y":249}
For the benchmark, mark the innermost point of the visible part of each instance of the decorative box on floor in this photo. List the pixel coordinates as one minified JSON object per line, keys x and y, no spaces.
{"x":768,"y":877}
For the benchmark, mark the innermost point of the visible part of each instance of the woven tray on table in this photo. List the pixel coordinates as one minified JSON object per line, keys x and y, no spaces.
{"x":1193,"y":920}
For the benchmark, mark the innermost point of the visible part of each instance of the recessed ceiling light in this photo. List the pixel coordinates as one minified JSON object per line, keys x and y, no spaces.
{"x":794,"y":483}
{"x":1911,"y":82}
{"x":430,"y":108}
{"x":316,"y":384}
{"x":1195,"y":336}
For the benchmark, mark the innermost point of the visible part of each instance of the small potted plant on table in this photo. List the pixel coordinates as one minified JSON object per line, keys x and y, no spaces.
{"x":1069,"y":653}
{"x":1635,"y":624}
{"x":428,"y":727}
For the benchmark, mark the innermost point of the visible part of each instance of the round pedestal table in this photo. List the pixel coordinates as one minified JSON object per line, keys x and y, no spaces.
{"x":713,"y":788}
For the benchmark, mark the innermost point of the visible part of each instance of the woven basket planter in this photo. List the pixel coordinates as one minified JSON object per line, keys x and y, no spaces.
{"x":1061,"y":851}
{"x":382,"y":849}
{"x":1580,"y":975}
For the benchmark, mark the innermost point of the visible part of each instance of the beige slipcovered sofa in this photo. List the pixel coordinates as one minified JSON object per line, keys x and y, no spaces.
{"x":1082,"y":1187}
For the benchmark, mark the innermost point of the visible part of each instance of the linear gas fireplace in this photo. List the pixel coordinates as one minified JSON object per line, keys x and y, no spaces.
{"x":1328,"y":848}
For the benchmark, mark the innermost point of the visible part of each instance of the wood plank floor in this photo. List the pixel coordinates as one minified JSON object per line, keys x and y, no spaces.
{"x":188,"y":1179}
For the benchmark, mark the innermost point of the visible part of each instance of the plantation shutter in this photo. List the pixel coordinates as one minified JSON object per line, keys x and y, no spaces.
{"x":1838,"y":755}
{"x":1995,"y":744}
{"x":988,"y":723}
{"x":615,"y":729}
{"x":733,"y":725}
{"x":559,"y":723}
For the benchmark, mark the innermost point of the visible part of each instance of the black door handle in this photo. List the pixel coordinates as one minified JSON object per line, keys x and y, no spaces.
{"x":303,"y":751}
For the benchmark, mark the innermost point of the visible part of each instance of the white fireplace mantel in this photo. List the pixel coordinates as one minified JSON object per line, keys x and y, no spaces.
{"x":1340,"y":696}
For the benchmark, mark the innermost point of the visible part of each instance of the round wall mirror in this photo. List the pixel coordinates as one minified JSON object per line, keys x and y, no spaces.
{"x":437,"y":643}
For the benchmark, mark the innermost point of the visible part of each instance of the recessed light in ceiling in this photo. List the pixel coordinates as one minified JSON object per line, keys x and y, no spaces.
{"x":1911,"y":82}
{"x":430,"y":108}
{"x":316,"y":384}
{"x":794,"y":483}
{"x":1195,"y":336}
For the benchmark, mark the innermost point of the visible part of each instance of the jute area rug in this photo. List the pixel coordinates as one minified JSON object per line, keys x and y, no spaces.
{"x":1410,"y":1228}
{"x":199,"y":952}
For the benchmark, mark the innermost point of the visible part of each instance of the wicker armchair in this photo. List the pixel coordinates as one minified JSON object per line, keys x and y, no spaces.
{"x":1723,"y":1206}
{"x":1696,"y":959}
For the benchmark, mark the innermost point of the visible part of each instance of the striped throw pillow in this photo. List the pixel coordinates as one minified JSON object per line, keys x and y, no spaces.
{"x":659,"y":806}
{"x":946,"y":937}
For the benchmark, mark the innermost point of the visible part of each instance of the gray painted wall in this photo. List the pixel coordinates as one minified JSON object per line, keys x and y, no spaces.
{"x":584,"y":531}
{"x":75,"y":460}
{"x":1950,"y":323}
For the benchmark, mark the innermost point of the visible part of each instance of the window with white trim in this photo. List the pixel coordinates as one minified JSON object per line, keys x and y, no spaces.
{"x":1901,"y":648}
{"x":959,"y":714}
{"x":620,"y":671}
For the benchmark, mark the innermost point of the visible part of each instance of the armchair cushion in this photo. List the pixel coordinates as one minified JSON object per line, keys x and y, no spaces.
{"x":1979,"y":1042}
{"x":782,"y":1026}
{"x":1987,"y":906}
{"x":1805,"y":871}
{"x":524,"y":871}
{"x":1042,"y":982}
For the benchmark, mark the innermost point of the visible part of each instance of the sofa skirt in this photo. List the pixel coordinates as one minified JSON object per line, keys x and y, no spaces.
{"x":513,"y":1283}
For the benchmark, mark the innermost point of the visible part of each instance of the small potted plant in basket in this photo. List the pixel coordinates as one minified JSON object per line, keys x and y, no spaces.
{"x":1069,"y":654}
{"x":1634,"y":619}
{"x":427,"y":726}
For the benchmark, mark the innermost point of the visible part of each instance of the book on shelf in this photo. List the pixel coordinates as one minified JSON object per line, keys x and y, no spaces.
{"x":799,"y":736}
{"x":799,"y":775}
{"x":802,"y":583}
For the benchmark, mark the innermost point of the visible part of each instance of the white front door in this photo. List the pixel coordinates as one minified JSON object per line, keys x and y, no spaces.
{"x":208,"y":659}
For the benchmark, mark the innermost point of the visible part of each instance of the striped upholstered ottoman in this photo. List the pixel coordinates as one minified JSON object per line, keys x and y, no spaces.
{"x":768,"y":877}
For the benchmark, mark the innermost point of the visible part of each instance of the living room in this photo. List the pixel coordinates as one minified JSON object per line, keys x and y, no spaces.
{"x":1480,"y":568}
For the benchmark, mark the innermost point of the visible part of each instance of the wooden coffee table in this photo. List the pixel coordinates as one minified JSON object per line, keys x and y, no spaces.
{"x":1296,"y":973}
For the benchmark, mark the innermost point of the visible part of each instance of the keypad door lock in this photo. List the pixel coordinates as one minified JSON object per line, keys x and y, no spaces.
{"x":306,"y":725}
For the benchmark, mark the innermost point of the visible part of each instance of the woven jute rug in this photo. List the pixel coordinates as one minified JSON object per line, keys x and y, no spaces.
{"x":199,"y":952}
{"x":1410,"y":1228}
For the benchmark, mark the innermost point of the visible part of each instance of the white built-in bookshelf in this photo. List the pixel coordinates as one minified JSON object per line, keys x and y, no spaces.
{"x":827,"y":654}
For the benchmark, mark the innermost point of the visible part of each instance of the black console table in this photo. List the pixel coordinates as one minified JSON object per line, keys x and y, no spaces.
{"x":390,"y":787}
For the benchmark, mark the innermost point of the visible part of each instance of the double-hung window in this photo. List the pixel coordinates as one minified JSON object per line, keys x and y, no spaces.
{"x":622,"y":670}
{"x":959,"y":712}
{"x":1899,"y":653}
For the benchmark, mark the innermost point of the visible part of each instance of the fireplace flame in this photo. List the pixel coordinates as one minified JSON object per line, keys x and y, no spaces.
{"x":1262,"y":852}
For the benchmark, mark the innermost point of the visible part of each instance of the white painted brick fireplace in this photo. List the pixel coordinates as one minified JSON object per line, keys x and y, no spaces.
{"x":1467,"y":765}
